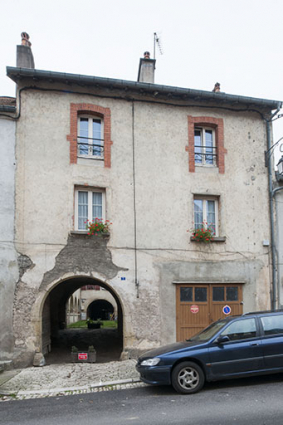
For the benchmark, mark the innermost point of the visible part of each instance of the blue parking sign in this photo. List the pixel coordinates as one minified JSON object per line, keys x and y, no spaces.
{"x":226,"y":309}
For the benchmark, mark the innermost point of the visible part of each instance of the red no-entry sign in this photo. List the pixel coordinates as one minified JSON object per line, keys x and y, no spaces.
{"x":194,"y":309}
{"x":82,"y":356}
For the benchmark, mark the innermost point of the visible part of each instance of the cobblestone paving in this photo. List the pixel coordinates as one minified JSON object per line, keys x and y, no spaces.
{"x":65,"y":379}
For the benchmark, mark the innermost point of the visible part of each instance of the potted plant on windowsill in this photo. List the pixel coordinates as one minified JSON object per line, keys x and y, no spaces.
{"x":98,"y":227}
{"x":203,"y":233}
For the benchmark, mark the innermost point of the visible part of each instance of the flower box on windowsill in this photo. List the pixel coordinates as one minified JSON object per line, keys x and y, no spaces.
{"x":215,"y":239}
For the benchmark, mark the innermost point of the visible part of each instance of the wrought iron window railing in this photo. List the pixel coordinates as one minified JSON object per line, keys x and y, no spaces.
{"x":90,"y":147}
{"x":205,"y":154}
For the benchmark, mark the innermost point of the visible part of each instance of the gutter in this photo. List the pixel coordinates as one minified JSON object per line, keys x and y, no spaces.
{"x":7,"y":108}
{"x":18,"y":74}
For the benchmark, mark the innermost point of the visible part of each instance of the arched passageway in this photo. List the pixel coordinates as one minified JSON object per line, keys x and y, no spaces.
{"x":57,"y":339}
{"x":100,"y":309}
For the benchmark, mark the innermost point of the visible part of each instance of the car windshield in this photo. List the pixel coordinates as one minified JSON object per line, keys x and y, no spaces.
{"x":209,"y":332}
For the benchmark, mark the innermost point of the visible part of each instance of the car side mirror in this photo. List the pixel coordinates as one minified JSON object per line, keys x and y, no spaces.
{"x":222,"y":339}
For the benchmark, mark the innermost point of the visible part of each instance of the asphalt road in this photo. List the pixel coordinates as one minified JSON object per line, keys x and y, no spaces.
{"x":256,"y":401}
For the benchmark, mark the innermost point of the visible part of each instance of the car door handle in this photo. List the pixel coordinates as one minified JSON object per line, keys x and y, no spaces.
{"x":254,"y":344}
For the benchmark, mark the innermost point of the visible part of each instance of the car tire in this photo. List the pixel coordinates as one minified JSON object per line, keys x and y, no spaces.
{"x":187,"y":378}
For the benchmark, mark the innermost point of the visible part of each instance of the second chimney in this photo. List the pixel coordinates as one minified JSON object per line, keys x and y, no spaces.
{"x":146,"y":69}
{"x":24,"y":53}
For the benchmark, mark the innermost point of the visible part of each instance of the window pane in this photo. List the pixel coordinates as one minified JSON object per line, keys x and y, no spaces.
{"x":218,"y":294}
{"x":208,"y":147}
{"x":96,"y":205}
{"x":186,"y":294}
{"x":232,"y":293}
{"x":83,"y":136}
{"x":200,"y":294}
{"x":96,"y":134}
{"x":210,"y":206}
{"x":198,"y":213}
{"x":272,"y":325}
{"x":82,"y":209}
{"x":242,"y":329}
{"x":198,"y":149}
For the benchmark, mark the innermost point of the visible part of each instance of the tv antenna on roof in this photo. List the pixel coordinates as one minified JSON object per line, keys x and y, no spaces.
{"x":156,"y":40}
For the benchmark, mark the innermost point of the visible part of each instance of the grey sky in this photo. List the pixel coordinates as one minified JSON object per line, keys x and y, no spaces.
{"x":235,"y":42}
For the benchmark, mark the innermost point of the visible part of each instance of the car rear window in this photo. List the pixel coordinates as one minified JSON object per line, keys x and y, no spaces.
{"x":272,"y":325}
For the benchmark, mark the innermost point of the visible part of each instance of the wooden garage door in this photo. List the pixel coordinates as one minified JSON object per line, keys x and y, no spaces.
{"x":199,"y":305}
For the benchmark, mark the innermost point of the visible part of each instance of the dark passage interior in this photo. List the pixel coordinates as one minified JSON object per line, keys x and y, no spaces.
{"x":57,"y":339}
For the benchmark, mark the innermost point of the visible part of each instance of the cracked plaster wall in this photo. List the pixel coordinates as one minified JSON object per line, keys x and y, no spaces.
{"x":8,"y":255}
{"x":164,"y":207}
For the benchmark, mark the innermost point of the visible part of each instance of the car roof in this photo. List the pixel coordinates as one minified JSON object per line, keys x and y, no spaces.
{"x":264,"y":312}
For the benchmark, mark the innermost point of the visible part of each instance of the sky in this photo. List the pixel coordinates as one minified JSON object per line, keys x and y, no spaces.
{"x":237,"y":43}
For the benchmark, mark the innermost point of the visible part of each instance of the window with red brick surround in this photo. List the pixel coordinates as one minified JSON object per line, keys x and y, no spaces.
{"x":89,"y":109}
{"x":217,"y":125}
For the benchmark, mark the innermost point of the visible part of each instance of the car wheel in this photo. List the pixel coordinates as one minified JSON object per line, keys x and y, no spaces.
{"x":187,"y":378}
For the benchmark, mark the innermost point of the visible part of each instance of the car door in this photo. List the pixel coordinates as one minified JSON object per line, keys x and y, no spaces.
{"x":242,"y":351}
{"x":272,"y":341}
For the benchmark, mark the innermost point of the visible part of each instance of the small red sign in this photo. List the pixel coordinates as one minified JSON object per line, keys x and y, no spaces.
{"x":82,"y":356}
{"x":194,"y":309}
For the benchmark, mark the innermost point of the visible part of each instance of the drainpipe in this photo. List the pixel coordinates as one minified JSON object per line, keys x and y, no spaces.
{"x":134,"y":199}
{"x":270,"y":187}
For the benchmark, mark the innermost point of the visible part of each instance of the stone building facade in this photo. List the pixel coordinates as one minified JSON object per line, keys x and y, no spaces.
{"x":154,"y":160}
{"x":8,"y":254}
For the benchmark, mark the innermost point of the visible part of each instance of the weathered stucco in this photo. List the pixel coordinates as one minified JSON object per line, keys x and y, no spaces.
{"x":156,"y":171}
{"x":8,"y":254}
{"x":82,"y":254}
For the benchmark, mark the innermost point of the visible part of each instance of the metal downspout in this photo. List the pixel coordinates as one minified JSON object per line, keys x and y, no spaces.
{"x":270,"y":187}
{"x":134,"y":200}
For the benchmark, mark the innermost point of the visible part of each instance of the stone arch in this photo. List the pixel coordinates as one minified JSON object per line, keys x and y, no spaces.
{"x":55,"y":302}
{"x":100,"y":309}
{"x":72,"y":304}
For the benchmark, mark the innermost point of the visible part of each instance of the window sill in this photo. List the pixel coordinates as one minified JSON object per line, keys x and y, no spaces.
{"x":206,"y":169}
{"x":216,"y":239}
{"x":96,"y":157}
{"x":85,"y":233}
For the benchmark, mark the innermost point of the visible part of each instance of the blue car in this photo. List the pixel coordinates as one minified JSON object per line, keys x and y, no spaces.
{"x":234,"y":347}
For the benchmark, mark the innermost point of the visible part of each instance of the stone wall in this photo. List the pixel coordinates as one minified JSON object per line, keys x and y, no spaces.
{"x":8,"y":255}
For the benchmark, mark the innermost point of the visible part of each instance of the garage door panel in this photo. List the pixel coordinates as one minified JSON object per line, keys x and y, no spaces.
{"x":199,"y":305}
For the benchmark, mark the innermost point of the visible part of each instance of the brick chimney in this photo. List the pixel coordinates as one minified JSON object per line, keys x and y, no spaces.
{"x":146,"y":69}
{"x":216,"y":88}
{"x":24,"y":53}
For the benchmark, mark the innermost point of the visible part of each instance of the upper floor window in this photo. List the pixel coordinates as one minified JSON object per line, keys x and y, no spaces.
{"x":90,"y":137}
{"x":89,"y":205}
{"x":205,"y":149}
{"x":206,"y":213}
{"x":90,"y":133}
{"x":206,"y":143}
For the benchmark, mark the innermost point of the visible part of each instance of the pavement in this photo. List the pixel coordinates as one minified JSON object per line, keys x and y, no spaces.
{"x":68,"y":378}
